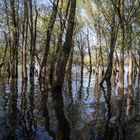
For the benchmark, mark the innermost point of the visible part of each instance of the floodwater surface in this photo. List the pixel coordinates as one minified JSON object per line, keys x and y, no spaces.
{"x":81,"y":111}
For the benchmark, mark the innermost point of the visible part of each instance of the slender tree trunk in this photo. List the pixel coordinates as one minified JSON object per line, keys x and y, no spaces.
{"x":59,"y":44}
{"x":4,"y":54}
{"x":33,"y":24}
{"x":25,"y":37}
{"x":130,"y":74}
{"x":99,"y":38}
{"x":70,"y":73}
{"x":9,"y":39}
{"x":121,"y":64}
{"x":108,"y":72}
{"x":66,"y":49}
{"x":48,"y":40}
{"x":81,"y":48}
{"x":32,"y":63}
{"x":139,"y":80}
{"x":135,"y":70}
{"x":89,"y":53}
{"x":130,"y":69}
{"x":115,"y":62}
{"x":14,"y":48}
{"x":97,"y":60}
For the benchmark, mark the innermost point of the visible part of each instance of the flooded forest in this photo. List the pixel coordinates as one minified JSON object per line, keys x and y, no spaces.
{"x":69,"y":69}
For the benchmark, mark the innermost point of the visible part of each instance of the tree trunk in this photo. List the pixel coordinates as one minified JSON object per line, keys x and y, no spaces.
{"x":4,"y":54}
{"x":51,"y":23}
{"x":25,"y":37}
{"x":108,"y":72}
{"x":121,"y":64}
{"x":139,"y":80}
{"x":9,"y":39}
{"x":81,"y":48}
{"x":130,"y":74}
{"x":59,"y":44}
{"x":97,"y":60}
{"x":115,"y":63}
{"x":66,"y":49}
{"x":129,"y":94}
{"x":14,"y":48}
{"x":70,"y":73}
{"x":89,"y":53}
{"x":33,"y":24}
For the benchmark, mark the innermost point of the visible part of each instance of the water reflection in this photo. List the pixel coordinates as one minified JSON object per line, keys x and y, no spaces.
{"x":63,"y":123}
{"x":70,"y":85}
{"x":23,"y":107}
{"x":114,"y":128}
{"x":45,"y":111}
{"x":97,"y":93}
{"x":27,"y":122}
{"x":80,"y":112}
{"x":13,"y":110}
{"x":30,"y":112}
{"x":81,"y":84}
{"x":109,"y":132}
{"x":88,"y":87}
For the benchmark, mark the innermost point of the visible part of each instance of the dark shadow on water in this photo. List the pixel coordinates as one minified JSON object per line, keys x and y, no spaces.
{"x":97,"y":94}
{"x":88,"y":87}
{"x":108,"y":133}
{"x":116,"y":130}
{"x":63,"y":123}
{"x":30,"y":113}
{"x":13,"y":110}
{"x":45,"y":111}
{"x":70,"y":90}
{"x":23,"y":107}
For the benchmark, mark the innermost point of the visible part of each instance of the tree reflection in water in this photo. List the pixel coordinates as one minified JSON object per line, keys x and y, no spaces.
{"x":45,"y":111}
{"x":63,"y":123}
{"x":117,"y":130}
{"x":42,"y":113}
{"x":13,"y":110}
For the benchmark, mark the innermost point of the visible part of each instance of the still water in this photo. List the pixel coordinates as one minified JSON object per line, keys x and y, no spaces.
{"x":82,"y":111}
